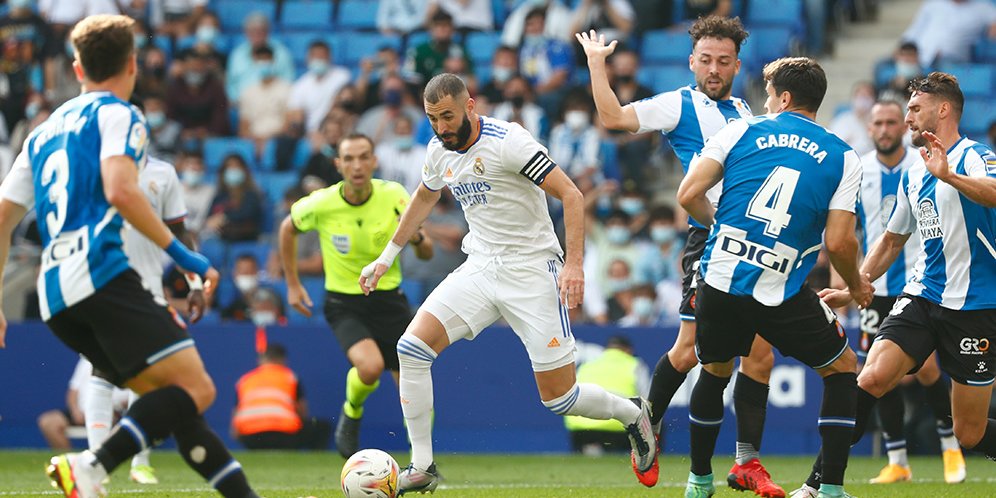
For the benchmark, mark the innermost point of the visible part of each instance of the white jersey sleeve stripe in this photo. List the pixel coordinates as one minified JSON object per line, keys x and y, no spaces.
{"x":846,"y":196}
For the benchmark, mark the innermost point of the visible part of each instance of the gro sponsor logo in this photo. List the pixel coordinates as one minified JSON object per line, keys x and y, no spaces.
{"x":974,"y":346}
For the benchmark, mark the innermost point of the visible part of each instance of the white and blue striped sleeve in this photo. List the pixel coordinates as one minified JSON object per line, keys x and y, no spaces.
{"x":980,"y":161}
{"x":845,"y":198}
{"x":123,"y":132}
{"x":718,"y":146}
{"x":18,"y":186}
{"x":658,"y":113}
{"x":522,"y":154}
{"x":902,"y":221}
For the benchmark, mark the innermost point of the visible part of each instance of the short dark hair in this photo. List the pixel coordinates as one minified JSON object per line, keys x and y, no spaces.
{"x":355,"y":136}
{"x":262,"y":50}
{"x":443,"y":85}
{"x":891,"y":102}
{"x":319,"y":44}
{"x":104,"y":44}
{"x":441,"y":16}
{"x":909,"y":46}
{"x":718,"y":27}
{"x":802,"y":77}
{"x":662,"y":212}
{"x":537,"y":12}
{"x":944,"y":86}
{"x":275,"y":352}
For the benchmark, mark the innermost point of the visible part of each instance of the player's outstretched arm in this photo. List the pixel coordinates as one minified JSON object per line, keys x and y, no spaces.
{"x":11,"y":214}
{"x":196,"y":302}
{"x":571,"y":281}
{"x":980,"y":189}
{"x":297,"y":296}
{"x":418,"y":210}
{"x":702,"y":176}
{"x":842,"y":248}
{"x":613,"y":115}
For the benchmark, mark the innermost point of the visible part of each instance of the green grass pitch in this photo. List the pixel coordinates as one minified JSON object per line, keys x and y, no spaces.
{"x":293,"y":475}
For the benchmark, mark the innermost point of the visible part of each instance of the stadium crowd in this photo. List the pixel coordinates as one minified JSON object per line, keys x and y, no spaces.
{"x":249,"y":98}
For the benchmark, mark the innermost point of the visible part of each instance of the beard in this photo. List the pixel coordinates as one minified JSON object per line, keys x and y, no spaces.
{"x":462,"y":136}
{"x":917,"y":138}
{"x":888,"y":148}
{"x":723,"y":90}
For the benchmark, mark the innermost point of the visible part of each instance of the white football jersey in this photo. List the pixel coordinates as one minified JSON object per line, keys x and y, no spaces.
{"x":161,"y":186}
{"x":497,"y":181}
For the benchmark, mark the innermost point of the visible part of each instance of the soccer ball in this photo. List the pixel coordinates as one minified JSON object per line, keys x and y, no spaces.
{"x":370,"y":474}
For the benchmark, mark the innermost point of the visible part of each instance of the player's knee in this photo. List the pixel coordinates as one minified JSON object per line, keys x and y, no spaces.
{"x":969,"y":432}
{"x":413,"y":353}
{"x":683,"y":357}
{"x":370,"y":368}
{"x":873,"y":381}
{"x":202,"y":391}
{"x":562,"y":405}
{"x":758,"y":367}
{"x":52,"y":422}
{"x":928,"y":373}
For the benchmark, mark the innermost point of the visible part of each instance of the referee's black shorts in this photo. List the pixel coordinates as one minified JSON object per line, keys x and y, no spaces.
{"x":801,"y":327}
{"x":121,"y":329}
{"x":694,"y":248}
{"x":382,"y":316}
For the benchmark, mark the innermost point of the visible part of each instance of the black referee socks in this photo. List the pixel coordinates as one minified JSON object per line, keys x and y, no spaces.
{"x":150,"y":420}
{"x":837,"y":423}
{"x":665,"y":382}
{"x":705,"y":416}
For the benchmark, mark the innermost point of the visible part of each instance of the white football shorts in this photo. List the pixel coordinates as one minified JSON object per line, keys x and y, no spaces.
{"x":526,"y":295}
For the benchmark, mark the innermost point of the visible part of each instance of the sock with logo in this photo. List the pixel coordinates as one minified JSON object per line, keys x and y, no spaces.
{"x":204,"y":452}
{"x":593,"y":401}
{"x":836,"y":423}
{"x":97,"y":411}
{"x":151,"y":419}
{"x":415,"y":387}
{"x":750,"y":402}
{"x":664,"y":383}
{"x":891,"y":412}
{"x":705,"y":416}
{"x":357,"y":393}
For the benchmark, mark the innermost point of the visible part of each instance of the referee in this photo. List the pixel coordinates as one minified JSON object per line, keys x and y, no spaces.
{"x":355,"y":219}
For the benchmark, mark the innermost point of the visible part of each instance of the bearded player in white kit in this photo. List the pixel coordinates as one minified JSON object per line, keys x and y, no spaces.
{"x":515,"y":270}
{"x":161,"y":186}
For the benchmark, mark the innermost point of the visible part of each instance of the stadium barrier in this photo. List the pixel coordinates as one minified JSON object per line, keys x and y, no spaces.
{"x":486,"y":399}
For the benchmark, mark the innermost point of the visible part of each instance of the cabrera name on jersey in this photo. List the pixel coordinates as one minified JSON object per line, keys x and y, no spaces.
{"x":956,"y":264}
{"x":496,"y":180}
{"x":782,"y":173}
{"x":58,"y":173}
{"x":879,"y":185}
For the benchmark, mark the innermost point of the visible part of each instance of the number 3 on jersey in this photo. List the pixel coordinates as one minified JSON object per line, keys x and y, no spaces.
{"x":55,"y":176}
{"x":771,"y":202}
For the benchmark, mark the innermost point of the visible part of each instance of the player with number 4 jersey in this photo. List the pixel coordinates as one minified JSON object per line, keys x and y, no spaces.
{"x":786,"y":182}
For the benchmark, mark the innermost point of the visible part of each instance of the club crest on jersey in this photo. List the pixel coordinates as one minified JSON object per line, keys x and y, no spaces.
{"x":341,"y":243}
{"x":478,"y":166}
{"x":928,"y":221}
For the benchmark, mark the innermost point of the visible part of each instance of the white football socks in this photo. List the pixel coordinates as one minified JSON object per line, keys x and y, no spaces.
{"x":98,"y":412}
{"x":593,"y":401}
{"x":415,"y":386}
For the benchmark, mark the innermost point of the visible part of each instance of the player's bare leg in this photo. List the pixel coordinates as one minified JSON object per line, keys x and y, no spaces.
{"x":418,"y":348}
{"x":750,"y":401}
{"x":361,"y":381}
{"x":560,"y":392}
{"x":970,"y":409}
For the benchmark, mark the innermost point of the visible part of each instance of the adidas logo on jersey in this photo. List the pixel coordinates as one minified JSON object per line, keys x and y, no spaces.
{"x":554,"y":343}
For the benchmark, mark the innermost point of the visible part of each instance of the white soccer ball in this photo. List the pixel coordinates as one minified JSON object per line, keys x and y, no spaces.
{"x":370,"y":474}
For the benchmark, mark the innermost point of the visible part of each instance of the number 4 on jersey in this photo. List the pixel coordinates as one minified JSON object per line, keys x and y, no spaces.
{"x":771,"y":202}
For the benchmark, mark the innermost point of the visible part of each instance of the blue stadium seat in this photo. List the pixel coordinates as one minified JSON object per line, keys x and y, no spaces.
{"x":306,"y":14}
{"x":360,"y":45}
{"x":775,"y":13}
{"x":233,"y":12}
{"x":259,"y":250}
{"x":609,"y":154}
{"x":298,"y":42}
{"x":316,"y":290}
{"x":275,"y":184}
{"x":976,"y":80}
{"x":665,"y":47}
{"x":885,"y":71}
{"x":500,"y":12}
{"x":214,"y":250}
{"x":667,"y":78}
{"x":165,"y":44}
{"x":357,"y":14}
{"x":980,"y":112}
{"x":772,"y":43}
{"x":216,"y":149}
{"x":985,"y":51}
{"x":415,"y":292}
{"x":481,"y":46}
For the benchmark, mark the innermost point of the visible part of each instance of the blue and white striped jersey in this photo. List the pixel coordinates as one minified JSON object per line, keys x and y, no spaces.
{"x":956,"y":265}
{"x":879,"y":185}
{"x":58,"y":172}
{"x":687,"y":118}
{"x":782,"y":174}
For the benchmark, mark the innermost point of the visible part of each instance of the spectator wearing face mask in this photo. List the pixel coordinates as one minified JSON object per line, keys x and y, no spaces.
{"x":207,"y":41}
{"x":35,"y":113}
{"x":196,"y":100}
{"x":396,"y":157}
{"x":237,"y":208}
{"x":320,"y":164}
{"x":642,"y":311}
{"x":164,"y":136}
{"x":153,"y":77}
{"x":253,"y":301}
{"x":264,"y":104}
{"x":546,"y":63}
{"x":314,"y":92}
{"x":659,"y":260}
{"x":241,"y":71}
{"x":618,"y":289}
{"x":519,"y":107}
{"x":606,"y":243}
{"x":373,"y":71}
{"x":575,"y":144}
{"x":378,"y":121}
{"x":904,"y":67}
{"x":504,"y":65}
{"x":632,"y":149}
{"x":852,"y":124}
{"x":426,"y":60}
{"x":197,"y":193}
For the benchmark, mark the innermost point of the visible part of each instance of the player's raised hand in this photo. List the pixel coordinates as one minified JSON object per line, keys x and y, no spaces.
{"x":299,"y":299}
{"x":571,"y":285}
{"x":196,"y":304}
{"x":594,"y":45}
{"x":370,"y":276}
{"x":835,"y":298}
{"x":935,"y":156}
